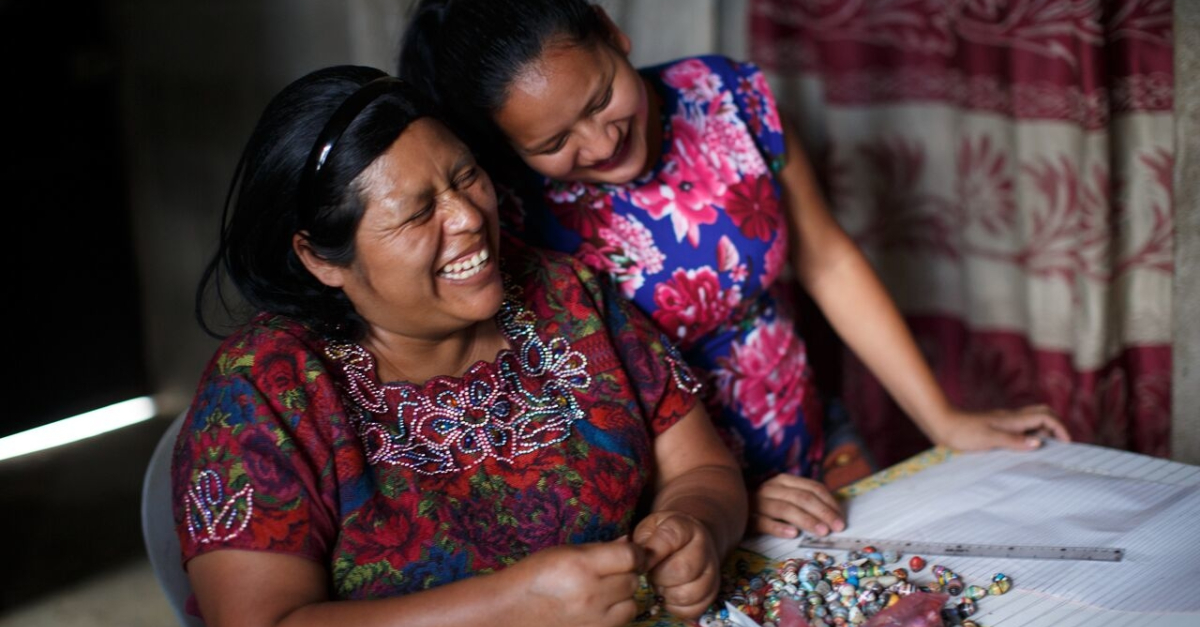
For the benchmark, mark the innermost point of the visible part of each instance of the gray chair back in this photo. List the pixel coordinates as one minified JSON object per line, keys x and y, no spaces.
{"x":158,"y":527}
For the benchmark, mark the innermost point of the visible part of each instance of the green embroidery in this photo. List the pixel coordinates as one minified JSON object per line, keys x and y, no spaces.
{"x":505,"y":517}
{"x":353,"y":577}
{"x":488,"y":485}
{"x":427,"y":505}
{"x":392,"y":485}
{"x":294,"y":399}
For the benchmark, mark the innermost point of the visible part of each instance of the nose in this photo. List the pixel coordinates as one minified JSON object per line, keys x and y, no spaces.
{"x":463,"y":215}
{"x":599,"y":141}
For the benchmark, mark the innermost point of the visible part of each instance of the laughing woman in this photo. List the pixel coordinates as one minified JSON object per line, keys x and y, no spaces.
{"x":425,"y":423}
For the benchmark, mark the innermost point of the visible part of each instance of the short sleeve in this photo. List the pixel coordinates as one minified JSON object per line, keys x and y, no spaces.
{"x":757,"y":107}
{"x":243,"y":476}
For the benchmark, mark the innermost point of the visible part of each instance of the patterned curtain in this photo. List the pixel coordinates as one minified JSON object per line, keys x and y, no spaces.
{"x":1006,"y":165}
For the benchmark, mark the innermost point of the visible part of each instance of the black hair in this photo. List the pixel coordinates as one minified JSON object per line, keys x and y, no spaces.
{"x":465,"y":55}
{"x":265,"y":205}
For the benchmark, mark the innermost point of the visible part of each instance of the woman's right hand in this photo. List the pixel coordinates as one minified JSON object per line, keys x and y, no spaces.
{"x":588,"y":584}
{"x":786,"y":504}
{"x":582,"y":584}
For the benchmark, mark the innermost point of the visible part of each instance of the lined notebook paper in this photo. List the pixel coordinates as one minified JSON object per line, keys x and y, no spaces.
{"x":1061,"y":495}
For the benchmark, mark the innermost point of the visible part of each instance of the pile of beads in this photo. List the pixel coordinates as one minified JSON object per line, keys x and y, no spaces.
{"x":847,"y":593}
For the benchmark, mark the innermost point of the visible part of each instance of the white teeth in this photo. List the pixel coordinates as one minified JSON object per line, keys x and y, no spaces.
{"x":467,"y":268}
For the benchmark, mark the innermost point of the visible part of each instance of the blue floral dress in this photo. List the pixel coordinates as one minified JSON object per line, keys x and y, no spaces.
{"x":699,"y":243}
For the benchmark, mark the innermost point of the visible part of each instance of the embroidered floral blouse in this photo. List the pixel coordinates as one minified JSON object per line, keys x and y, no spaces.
{"x":698,"y":243}
{"x":292,"y":445}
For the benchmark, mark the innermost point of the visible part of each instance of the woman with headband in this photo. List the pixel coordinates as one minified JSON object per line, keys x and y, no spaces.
{"x":424,"y":422}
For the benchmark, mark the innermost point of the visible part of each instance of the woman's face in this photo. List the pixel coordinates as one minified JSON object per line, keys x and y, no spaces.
{"x":426,"y":251}
{"x":579,"y":113}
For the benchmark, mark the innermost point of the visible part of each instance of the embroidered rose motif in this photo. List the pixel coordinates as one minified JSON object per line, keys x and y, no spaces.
{"x":281,"y":378}
{"x":392,"y":525}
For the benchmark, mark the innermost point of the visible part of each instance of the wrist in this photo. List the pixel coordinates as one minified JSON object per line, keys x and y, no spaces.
{"x":940,"y":424}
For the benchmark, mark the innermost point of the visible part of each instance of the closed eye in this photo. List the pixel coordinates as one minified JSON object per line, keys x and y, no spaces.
{"x":561,"y":140}
{"x":467,"y":177}
{"x":421,"y":214}
{"x":555,"y":147}
{"x":603,"y":101}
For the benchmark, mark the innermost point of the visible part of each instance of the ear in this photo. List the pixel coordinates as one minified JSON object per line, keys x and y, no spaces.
{"x":326,"y":272}
{"x":616,"y":37}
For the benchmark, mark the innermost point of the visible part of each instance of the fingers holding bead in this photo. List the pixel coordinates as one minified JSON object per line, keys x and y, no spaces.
{"x":660,"y":535}
{"x":677,"y":548}
{"x":689,"y":600}
{"x":621,"y":613}
{"x":620,"y":556}
{"x":683,"y":561}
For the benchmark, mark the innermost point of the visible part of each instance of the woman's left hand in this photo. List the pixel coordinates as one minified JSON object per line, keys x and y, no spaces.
{"x":1019,"y":429}
{"x":682,"y":560}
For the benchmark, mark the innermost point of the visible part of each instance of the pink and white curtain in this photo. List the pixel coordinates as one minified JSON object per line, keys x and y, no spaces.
{"x":1006,"y":165}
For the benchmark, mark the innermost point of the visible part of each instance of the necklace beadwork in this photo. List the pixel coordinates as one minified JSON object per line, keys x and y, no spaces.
{"x":450,"y":424}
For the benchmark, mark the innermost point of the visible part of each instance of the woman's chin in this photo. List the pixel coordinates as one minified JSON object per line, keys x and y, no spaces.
{"x":480,"y":294}
{"x":631,"y":166}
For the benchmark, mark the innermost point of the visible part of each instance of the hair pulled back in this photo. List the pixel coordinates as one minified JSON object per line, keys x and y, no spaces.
{"x":465,"y":54}
{"x":265,"y":205}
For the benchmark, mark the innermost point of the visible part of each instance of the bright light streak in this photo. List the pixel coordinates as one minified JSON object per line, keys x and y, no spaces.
{"x":78,"y":427}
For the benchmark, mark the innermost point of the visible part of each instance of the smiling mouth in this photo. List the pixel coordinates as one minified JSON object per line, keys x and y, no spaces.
{"x":466,"y":268}
{"x":616,"y":159}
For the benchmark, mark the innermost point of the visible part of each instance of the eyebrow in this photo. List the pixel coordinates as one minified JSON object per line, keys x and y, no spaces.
{"x":607,"y":83}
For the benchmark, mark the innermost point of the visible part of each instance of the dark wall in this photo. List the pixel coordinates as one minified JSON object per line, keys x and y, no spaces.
{"x":75,"y":322}
{"x":73,"y":303}
{"x":123,"y":122}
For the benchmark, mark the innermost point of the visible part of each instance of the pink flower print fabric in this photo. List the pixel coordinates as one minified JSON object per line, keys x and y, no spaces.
{"x":765,"y":377}
{"x":698,"y":243}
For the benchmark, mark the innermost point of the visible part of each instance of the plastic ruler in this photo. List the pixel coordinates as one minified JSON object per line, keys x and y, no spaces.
{"x":1013,"y":551}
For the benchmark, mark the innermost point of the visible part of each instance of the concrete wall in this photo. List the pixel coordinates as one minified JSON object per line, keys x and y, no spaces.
{"x":662,"y":30}
{"x":197,"y":73}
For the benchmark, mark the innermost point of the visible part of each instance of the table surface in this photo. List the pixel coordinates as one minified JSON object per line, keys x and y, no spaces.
{"x":1039,"y":602}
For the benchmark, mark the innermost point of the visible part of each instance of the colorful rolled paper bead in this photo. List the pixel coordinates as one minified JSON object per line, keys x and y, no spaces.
{"x":822,"y":592}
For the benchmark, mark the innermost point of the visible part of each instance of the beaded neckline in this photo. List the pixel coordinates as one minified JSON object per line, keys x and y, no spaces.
{"x":450,"y":424}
